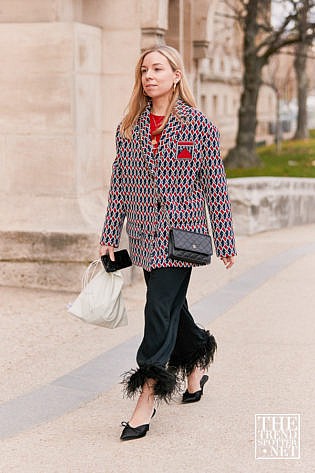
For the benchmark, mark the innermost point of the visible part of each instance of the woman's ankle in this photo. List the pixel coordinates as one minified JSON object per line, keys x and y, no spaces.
{"x":142,"y":414}
{"x":145,"y":405}
{"x":193,"y":379}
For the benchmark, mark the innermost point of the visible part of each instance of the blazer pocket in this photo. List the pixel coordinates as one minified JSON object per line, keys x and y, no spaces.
{"x":185,"y":149}
{"x":133,"y":231}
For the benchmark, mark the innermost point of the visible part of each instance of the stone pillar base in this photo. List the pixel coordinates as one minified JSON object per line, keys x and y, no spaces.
{"x":49,"y":260}
{"x":50,"y":242}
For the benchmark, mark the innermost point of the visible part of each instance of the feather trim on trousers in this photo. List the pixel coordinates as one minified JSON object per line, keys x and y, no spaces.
{"x":200,"y":358}
{"x":166,"y":382}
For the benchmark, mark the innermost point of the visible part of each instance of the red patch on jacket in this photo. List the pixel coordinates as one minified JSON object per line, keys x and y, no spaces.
{"x":185,"y":149}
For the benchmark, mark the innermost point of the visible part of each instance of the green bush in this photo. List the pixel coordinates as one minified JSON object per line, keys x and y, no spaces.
{"x":296,"y":159}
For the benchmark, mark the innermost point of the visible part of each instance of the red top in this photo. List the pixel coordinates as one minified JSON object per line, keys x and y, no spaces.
{"x":155,"y":122}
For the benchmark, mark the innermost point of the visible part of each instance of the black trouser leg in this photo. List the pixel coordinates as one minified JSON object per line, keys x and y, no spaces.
{"x":194,"y":345}
{"x":171,"y":336}
{"x":166,"y":293}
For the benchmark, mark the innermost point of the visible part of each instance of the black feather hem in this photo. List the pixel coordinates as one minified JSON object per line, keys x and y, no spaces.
{"x":201,"y":358}
{"x":166,"y":384}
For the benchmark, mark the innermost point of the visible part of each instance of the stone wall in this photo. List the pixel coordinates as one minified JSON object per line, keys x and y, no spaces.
{"x":268,"y":203}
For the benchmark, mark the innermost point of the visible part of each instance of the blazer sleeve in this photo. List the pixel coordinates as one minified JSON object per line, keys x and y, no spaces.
{"x":214,"y":186}
{"x":115,"y":214}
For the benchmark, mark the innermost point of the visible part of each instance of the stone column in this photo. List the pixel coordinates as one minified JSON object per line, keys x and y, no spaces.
{"x":63,"y":87}
{"x":154,"y":22}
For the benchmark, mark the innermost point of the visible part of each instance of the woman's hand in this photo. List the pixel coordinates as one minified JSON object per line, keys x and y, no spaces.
{"x":228,"y":261}
{"x":104,"y":249}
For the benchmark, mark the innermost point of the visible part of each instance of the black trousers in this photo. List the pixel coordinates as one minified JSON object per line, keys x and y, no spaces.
{"x":172,"y":345}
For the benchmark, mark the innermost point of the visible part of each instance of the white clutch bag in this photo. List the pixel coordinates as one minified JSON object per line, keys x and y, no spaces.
{"x":100,"y":301}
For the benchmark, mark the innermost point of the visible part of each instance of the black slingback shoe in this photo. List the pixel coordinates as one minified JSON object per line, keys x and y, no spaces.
{"x":196,"y":396}
{"x":132,"y":433}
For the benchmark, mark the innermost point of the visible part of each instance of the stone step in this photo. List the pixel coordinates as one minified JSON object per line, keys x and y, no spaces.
{"x":49,"y":260}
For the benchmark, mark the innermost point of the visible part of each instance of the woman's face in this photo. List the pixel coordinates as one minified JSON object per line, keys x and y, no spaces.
{"x":157,"y":76}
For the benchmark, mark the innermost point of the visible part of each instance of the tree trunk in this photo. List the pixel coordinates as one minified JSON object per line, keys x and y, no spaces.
{"x":244,"y":155}
{"x":300,"y":63}
{"x":278,"y":124}
{"x":302,"y":86}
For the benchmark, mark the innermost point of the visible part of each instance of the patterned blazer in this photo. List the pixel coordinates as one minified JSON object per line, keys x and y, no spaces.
{"x":187,"y":170}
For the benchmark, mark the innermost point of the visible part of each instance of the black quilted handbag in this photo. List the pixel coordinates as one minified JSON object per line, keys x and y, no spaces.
{"x":191,"y":247}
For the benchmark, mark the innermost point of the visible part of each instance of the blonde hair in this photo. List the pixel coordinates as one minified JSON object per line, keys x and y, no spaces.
{"x":138,"y":101}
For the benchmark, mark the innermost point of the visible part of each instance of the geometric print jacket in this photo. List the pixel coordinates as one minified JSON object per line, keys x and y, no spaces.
{"x":187,"y":171}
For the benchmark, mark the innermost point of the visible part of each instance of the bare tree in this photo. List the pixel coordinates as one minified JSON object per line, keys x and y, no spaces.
{"x":279,"y":77}
{"x":300,"y":64}
{"x":261,"y":41}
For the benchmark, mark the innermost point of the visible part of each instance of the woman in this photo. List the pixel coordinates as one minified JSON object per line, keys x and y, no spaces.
{"x":167,"y":166}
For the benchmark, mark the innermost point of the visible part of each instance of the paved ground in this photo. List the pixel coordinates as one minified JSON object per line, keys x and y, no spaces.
{"x":60,"y":399}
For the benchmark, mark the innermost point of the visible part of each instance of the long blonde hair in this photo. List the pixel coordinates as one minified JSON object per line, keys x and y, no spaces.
{"x":138,"y":101}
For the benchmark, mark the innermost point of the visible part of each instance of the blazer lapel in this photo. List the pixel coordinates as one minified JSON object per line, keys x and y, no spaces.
{"x":174,"y":127}
{"x":145,"y":138}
